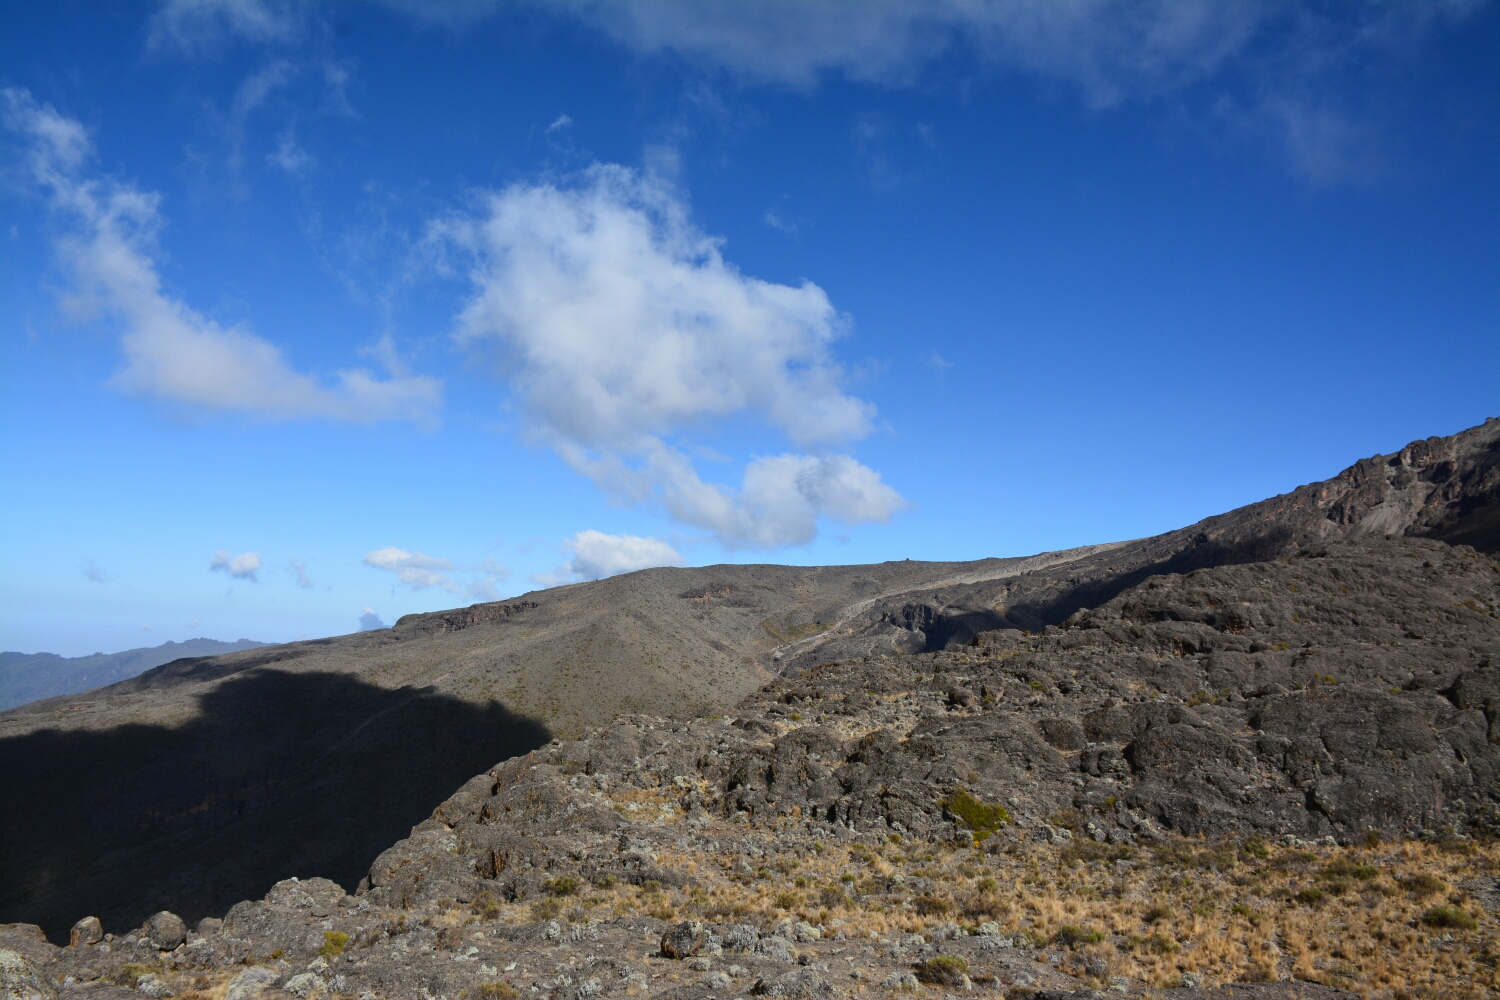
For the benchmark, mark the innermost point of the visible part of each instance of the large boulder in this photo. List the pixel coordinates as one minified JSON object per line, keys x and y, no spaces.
{"x":166,"y":930}
{"x":87,"y":931}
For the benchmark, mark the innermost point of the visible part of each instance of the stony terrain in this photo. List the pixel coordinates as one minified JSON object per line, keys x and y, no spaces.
{"x":1264,"y":746}
{"x":1281,"y":774}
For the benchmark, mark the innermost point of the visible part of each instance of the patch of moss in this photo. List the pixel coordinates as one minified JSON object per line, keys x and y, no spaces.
{"x":977,"y":816}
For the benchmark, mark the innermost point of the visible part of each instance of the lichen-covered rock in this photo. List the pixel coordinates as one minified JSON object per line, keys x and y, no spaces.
{"x":248,"y":985}
{"x":683,"y":940}
{"x":20,"y":980}
{"x":305,"y":984}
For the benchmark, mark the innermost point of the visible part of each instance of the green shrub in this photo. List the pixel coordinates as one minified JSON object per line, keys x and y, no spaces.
{"x":1347,"y":868}
{"x":1161,"y":944}
{"x":929,"y":905}
{"x":1449,"y":916}
{"x":787,"y":900}
{"x":565,"y":886}
{"x":1256,"y":847}
{"x":545,"y":909}
{"x":1423,"y":884}
{"x":334,"y":943}
{"x":943,"y":970}
{"x":1311,"y":896}
{"x":486,"y":906}
{"x":977,"y":816}
{"x":499,"y":990}
{"x":1071,"y":936}
{"x":1158,"y":913}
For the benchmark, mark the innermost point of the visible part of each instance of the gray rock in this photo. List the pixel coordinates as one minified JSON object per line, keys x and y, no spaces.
{"x":165,"y":930}
{"x":248,"y":985}
{"x":20,"y":980}
{"x":152,"y":985}
{"x":797,"y":985}
{"x":683,"y":940}
{"x":305,"y":984}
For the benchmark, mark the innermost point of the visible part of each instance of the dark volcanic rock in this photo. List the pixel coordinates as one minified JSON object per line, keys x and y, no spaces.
{"x":166,"y":930}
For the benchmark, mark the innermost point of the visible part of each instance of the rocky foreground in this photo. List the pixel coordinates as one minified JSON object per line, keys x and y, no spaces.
{"x":1270,"y":780}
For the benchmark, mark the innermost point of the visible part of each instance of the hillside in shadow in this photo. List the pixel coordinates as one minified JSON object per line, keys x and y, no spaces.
{"x":277,"y":774}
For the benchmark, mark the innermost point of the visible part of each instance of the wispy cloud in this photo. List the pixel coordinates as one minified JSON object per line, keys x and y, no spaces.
{"x":597,"y":555}
{"x":93,"y":572}
{"x":299,"y":566}
{"x":620,"y":323}
{"x":172,"y":352}
{"x":938,"y":363}
{"x":199,"y":26}
{"x":244,"y":566}
{"x":291,"y":157}
{"x":562,"y":122}
{"x":1287,"y":61}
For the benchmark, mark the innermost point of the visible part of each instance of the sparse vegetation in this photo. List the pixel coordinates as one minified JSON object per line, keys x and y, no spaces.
{"x":943,"y":970}
{"x":1449,"y":916}
{"x":984,"y":819}
{"x":334,"y":943}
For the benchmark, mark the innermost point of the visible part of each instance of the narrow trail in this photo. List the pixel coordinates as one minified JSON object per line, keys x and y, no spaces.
{"x":1010,"y":568}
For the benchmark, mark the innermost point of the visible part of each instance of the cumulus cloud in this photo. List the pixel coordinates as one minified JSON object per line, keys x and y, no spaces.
{"x":369,"y":621}
{"x":597,"y":555}
{"x":171,"y":351}
{"x":414,"y":569}
{"x":619,"y":323}
{"x":242,"y":567}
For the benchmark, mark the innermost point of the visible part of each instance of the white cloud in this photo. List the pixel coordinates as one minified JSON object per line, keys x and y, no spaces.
{"x":299,"y":566}
{"x":194,"y":26}
{"x":1284,"y":58}
{"x":619,"y":323}
{"x":621,"y":320}
{"x":291,"y":157}
{"x":369,"y":621}
{"x":562,"y":122}
{"x":171,"y":351}
{"x":242,"y":567}
{"x":414,"y":569}
{"x":597,"y":555}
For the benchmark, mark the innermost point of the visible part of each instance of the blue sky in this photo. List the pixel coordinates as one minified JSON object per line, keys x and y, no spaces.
{"x":316,"y":314}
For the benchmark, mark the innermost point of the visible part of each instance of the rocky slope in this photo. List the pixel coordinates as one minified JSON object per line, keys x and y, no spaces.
{"x":204,"y":781}
{"x":1284,"y":770}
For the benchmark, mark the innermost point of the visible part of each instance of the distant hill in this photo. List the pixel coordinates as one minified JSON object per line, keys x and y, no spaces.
{"x":28,"y":677}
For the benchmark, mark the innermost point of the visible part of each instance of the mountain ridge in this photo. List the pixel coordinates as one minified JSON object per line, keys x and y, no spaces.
{"x":196,"y":782}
